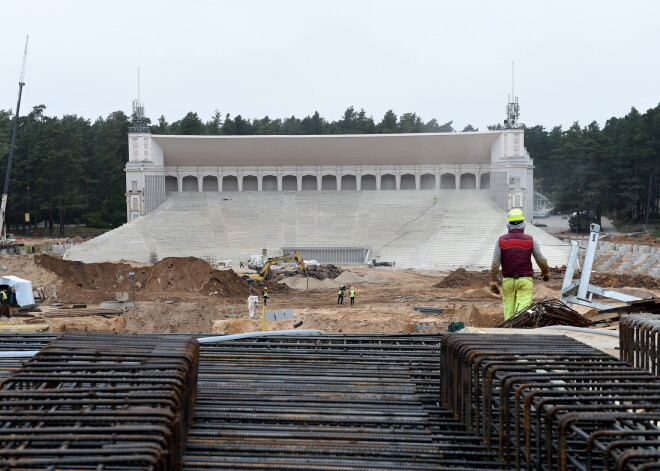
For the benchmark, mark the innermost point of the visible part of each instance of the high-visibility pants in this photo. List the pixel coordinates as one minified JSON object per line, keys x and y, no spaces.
{"x":517,"y":294}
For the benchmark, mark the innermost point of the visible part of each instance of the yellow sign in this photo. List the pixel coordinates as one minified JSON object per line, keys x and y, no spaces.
{"x":27,"y":217}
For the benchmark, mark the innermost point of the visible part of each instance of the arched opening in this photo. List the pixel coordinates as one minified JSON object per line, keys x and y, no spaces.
{"x":387,"y":182}
{"x":348,"y":182}
{"x":468,"y":181}
{"x":230,"y":183}
{"x":250,"y":183}
{"x":269,"y":183}
{"x":210,"y":183}
{"x":289,"y":183}
{"x":408,"y":182}
{"x":328,"y":182}
{"x":485,"y":181}
{"x":427,"y":182}
{"x":171,"y":184}
{"x":189,"y":183}
{"x":447,"y":181}
{"x":368,"y":182}
{"x":309,"y":183}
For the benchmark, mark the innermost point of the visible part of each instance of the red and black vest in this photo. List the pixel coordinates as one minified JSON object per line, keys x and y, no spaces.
{"x":516,"y":248}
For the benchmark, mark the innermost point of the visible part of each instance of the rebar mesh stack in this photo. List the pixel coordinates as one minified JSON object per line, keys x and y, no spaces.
{"x":100,"y":401}
{"x":331,"y":402}
{"x":639,"y":340}
{"x":550,"y":402}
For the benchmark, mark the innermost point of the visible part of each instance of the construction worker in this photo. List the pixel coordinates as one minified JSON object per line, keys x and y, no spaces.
{"x":340,"y":295}
{"x":253,"y":303}
{"x":264,"y":294}
{"x":514,"y":251}
{"x":241,"y":264}
{"x":351,"y":294}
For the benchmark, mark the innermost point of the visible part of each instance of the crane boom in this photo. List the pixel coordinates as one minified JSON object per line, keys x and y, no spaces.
{"x":10,"y":159}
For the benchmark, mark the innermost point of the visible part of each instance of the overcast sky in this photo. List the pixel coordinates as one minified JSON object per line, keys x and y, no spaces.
{"x":586,"y":60}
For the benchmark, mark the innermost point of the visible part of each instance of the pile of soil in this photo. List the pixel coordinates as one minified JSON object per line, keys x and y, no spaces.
{"x":637,"y":239}
{"x":461,"y":277}
{"x":323,"y":272}
{"x":320,"y":272}
{"x":95,"y":282}
{"x":620,"y":280}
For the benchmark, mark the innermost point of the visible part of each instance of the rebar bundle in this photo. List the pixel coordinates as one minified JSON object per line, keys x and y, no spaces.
{"x":552,"y":403}
{"x":329,"y":402}
{"x":100,"y":401}
{"x":545,"y":313}
{"x":639,"y":341}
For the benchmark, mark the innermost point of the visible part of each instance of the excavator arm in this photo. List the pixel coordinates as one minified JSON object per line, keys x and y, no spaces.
{"x":265,"y":273}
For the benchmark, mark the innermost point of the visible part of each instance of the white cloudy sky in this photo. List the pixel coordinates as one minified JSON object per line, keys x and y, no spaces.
{"x":574,"y":60}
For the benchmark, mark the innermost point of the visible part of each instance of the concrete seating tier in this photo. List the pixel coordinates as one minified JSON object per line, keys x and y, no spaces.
{"x":406,"y":227}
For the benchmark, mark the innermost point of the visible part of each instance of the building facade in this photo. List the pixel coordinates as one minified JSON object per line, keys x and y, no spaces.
{"x":495,"y":160}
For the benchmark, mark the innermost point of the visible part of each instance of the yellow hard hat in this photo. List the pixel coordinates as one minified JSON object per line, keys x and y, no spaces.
{"x":516,"y":214}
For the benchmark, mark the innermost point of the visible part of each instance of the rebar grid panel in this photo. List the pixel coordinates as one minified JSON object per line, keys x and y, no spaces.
{"x":639,"y":341}
{"x":20,"y":342}
{"x":331,"y":402}
{"x":533,"y":399}
{"x":100,"y":401}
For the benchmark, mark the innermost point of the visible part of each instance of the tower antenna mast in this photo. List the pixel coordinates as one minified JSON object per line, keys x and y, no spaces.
{"x":512,"y":108}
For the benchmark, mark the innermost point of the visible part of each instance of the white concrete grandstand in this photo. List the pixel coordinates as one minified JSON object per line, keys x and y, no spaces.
{"x":420,"y":200}
{"x":458,"y":229}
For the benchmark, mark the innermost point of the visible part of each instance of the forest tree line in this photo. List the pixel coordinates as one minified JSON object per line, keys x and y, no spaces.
{"x":70,"y":170}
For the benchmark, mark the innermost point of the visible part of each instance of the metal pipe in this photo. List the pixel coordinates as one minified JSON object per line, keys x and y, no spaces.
{"x":582,"y":329}
{"x":267,"y":333}
{"x":18,"y":353}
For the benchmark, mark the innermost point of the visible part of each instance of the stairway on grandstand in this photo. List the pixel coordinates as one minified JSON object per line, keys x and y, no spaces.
{"x":405,"y":227}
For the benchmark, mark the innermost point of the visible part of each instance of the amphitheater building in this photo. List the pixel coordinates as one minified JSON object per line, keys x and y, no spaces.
{"x":161,"y":165}
{"x":418,"y":200}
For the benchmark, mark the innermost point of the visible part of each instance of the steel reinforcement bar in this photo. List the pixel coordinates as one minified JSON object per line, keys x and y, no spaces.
{"x":552,"y":403}
{"x":100,"y":401}
{"x":331,"y":402}
{"x":639,"y":340}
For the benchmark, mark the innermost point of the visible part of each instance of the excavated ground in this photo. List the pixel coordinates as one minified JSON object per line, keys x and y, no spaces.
{"x":187,"y":295}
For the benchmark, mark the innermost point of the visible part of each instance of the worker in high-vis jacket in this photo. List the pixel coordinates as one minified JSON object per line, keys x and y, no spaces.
{"x":514,"y":251}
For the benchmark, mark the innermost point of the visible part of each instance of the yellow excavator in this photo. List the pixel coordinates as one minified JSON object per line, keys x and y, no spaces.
{"x":265,"y":273}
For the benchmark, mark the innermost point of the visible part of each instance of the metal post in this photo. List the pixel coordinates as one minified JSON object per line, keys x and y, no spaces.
{"x":588,"y":261}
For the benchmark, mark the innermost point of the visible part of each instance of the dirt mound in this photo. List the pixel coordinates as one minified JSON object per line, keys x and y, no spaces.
{"x":640,"y":238}
{"x":111,"y":276}
{"x":187,"y":274}
{"x":320,"y":272}
{"x":95,"y":282}
{"x":618,"y":280}
{"x":461,"y":277}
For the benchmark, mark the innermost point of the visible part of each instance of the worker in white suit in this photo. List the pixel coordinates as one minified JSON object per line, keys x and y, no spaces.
{"x":253,"y":303}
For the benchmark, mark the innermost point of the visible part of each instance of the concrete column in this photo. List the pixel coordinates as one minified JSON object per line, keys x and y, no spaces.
{"x":437,"y":178}
{"x":279,"y":179}
{"x":299,"y":179}
{"x":240,"y":178}
{"x":377,"y":177}
{"x":339,"y":175}
{"x":220,"y":179}
{"x":259,"y":179}
{"x":417,"y":177}
{"x":179,"y":181}
{"x":397,"y":177}
{"x":200,"y":179}
{"x":319,"y":178}
{"x":478,"y":178}
{"x":457,"y":180}
{"x":358,"y":178}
